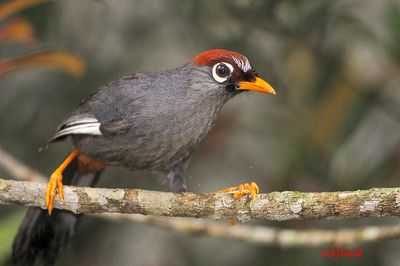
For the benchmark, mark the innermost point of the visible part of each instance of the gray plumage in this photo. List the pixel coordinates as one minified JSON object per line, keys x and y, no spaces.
{"x":142,"y":121}
{"x":148,"y":121}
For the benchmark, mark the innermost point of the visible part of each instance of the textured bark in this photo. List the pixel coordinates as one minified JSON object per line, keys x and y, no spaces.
{"x":280,"y":206}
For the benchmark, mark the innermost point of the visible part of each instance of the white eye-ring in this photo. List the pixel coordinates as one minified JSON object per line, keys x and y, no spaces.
{"x":222,"y":71}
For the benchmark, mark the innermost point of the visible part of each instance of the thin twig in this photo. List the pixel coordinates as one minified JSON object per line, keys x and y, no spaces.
{"x":17,"y":169}
{"x":266,"y":235}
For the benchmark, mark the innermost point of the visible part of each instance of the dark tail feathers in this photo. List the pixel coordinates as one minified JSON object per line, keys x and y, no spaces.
{"x":44,"y":235}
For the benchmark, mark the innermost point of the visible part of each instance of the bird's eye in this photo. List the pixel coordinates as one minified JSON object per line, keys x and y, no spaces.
{"x":222,"y":71}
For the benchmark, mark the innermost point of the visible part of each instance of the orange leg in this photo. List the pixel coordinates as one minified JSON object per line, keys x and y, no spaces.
{"x":55,"y":181}
{"x":243,"y":189}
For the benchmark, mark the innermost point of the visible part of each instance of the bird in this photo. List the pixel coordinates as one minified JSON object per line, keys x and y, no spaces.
{"x":142,"y":121}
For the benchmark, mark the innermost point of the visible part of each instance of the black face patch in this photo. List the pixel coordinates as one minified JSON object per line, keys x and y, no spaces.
{"x":231,"y":87}
{"x":250,"y":75}
{"x":240,"y":75}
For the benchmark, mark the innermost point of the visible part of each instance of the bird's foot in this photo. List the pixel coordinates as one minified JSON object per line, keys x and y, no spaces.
{"x":243,"y":189}
{"x":54,"y":184}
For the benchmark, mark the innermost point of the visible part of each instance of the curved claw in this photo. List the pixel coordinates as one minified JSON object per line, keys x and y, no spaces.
{"x":251,"y":189}
{"x":54,"y":184}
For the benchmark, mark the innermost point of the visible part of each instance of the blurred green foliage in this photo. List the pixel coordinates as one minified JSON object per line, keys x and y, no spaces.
{"x":9,"y":226}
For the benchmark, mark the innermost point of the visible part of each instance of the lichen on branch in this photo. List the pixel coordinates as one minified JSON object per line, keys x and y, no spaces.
{"x":285,"y":205}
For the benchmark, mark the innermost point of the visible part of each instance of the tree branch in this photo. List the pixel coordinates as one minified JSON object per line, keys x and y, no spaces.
{"x":287,"y":205}
{"x":250,"y":234}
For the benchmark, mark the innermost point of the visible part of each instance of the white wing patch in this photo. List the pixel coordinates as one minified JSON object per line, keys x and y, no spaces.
{"x":242,"y":64}
{"x":85,"y":125}
{"x":83,"y":120}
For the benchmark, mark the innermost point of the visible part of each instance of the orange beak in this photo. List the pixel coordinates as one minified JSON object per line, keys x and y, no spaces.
{"x":259,"y":85}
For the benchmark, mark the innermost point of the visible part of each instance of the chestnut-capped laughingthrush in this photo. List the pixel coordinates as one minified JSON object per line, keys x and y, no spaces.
{"x":151,"y":121}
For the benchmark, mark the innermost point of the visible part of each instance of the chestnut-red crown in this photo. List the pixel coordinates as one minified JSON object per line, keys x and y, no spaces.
{"x":211,"y":57}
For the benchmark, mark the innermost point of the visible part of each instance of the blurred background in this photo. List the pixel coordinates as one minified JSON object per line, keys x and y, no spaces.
{"x":334,"y":125}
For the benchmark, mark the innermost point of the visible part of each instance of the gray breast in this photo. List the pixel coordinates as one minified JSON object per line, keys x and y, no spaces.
{"x":166,"y":119}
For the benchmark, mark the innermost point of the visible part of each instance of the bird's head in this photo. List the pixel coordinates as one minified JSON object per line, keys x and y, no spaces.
{"x":231,"y":72}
